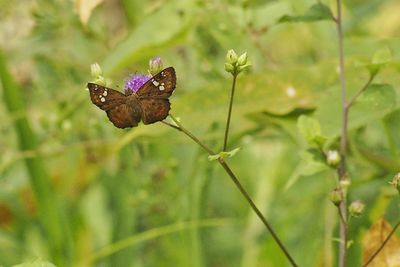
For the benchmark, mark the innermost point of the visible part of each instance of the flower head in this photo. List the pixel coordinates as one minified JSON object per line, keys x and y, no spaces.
{"x":396,"y":182}
{"x":333,"y":158}
{"x":234,"y":63}
{"x":134,"y":82}
{"x":336,"y":196}
{"x":356,"y":208}
{"x":155,"y":65}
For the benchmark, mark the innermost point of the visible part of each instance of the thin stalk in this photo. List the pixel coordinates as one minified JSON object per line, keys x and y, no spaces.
{"x":238,"y":185}
{"x":382,"y":245}
{"x":344,"y":139}
{"x":355,"y":97}
{"x":228,"y":120}
{"x":180,"y":127}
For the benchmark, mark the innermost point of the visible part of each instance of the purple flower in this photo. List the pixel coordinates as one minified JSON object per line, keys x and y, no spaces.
{"x":134,"y":82}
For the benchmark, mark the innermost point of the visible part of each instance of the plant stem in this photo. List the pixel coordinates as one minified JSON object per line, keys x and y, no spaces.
{"x":179,"y":127}
{"x":344,"y":139}
{"x":382,"y":245}
{"x":354,"y":98}
{"x":236,"y":181}
{"x":228,"y":120}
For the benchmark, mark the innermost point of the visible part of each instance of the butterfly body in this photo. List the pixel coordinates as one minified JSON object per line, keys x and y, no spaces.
{"x":149,"y":104}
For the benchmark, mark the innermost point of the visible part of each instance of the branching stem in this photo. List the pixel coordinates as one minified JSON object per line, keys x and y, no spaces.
{"x":236,"y":181}
{"x":344,"y":139}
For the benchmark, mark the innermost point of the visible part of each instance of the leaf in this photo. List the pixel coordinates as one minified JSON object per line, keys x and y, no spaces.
{"x":375,"y":103}
{"x":224,"y":154}
{"x":35,"y":263}
{"x":311,"y":130}
{"x":389,"y":256}
{"x":152,"y":34}
{"x":84,"y":9}
{"x":383,"y":55}
{"x":379,"y":60}
{"x":312,"y":162}
{"x":316,"y":12}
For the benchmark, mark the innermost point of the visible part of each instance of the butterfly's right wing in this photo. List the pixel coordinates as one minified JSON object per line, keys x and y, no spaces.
{"x":104,"y":97}
{"x":160,"y":85}
{"x":154,"y":109}
{"x":153,"y":96}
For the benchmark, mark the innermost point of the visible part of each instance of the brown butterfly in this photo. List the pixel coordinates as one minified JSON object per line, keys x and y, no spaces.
{"x":149,"y":104}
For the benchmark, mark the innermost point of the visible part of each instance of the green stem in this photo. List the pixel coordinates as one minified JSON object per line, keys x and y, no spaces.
{"x":236,"y":181}
{"x":354,"y":98}
{"x":228,"y":120}
{"x":49,"y":212}
{"x":344,"y":138}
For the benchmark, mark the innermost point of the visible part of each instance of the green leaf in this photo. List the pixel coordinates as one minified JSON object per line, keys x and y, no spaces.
{"x":151,"y":35}
{"x":375,"y":103}
{"x":379,"y":60}
{"x":311,"y":130}
{"x":314,"y":162}
{"x":382,"y":56}
{"x":316,"y":12}
{"x":224,"y":154}
{"x":35,"y":263}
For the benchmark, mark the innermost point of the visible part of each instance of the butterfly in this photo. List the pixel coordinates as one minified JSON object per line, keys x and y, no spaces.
{"x":149,"y":104}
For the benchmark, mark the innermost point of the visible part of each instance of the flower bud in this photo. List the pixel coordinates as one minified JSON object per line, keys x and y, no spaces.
{"x":345,"y":182}
{"x":336,"y":196}
{"x":241,"y":68}
{"x":242,"y":60}
{"x":95,"y":70}
{"x":231,"y":57}
{"x":155,"y":66}
{"x":356,"y":208}
{"x":229,"y":68}
{"x":333,"y":158}
{"x":396,"y":182}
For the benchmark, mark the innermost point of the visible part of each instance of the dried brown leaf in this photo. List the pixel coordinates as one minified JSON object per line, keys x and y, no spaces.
{"x":389,"y":256}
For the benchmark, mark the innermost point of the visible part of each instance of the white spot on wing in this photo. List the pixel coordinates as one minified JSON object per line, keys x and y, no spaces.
{"x":156,"y":83}
{"x":105,"y":93}
{"x":161,"y":88}
{"x":102,"y":99}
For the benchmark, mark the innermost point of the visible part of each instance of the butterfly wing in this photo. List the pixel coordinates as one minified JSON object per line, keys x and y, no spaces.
{"x":160,"y":85}
{"x":153,"y":96}
{"x":154,"y":109}
{"x":105,"y":98}
{"x":122,"y":111}
{"x":124,"y":116}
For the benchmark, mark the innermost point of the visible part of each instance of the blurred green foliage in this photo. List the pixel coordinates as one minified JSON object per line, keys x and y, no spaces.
{"x":148,"y":196}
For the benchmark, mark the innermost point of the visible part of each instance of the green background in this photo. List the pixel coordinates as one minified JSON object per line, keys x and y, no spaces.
{"x":76,"y":191}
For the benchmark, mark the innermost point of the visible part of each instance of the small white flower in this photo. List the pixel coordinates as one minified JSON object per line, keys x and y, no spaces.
{"x":291,"y":91}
